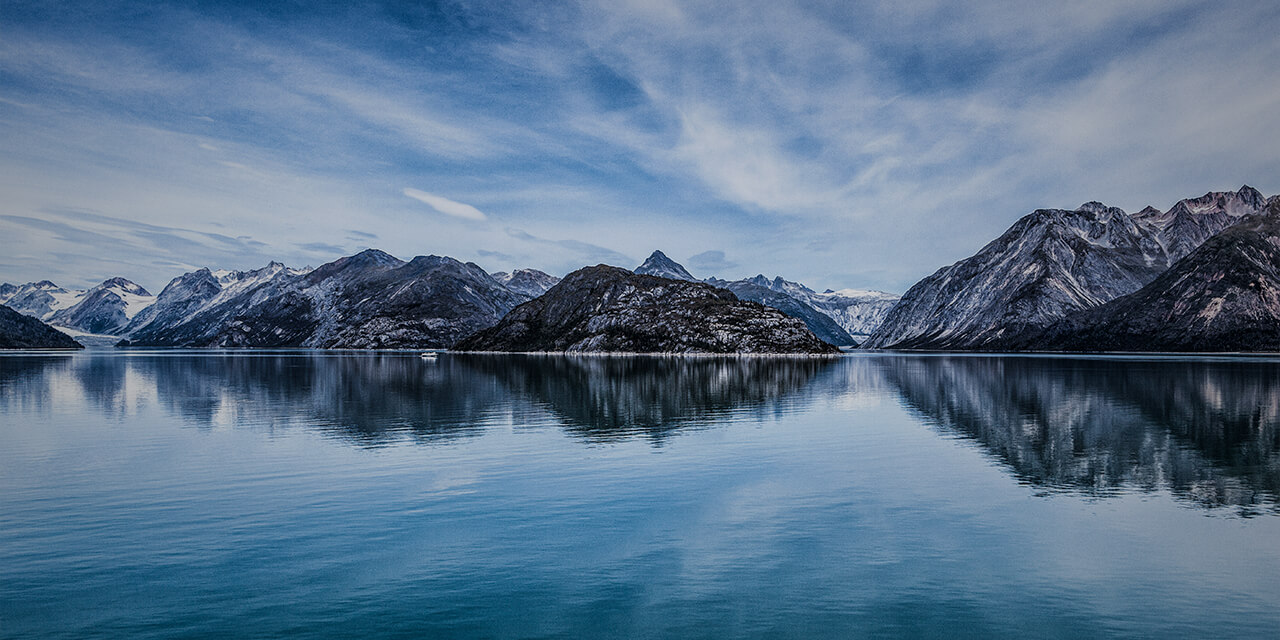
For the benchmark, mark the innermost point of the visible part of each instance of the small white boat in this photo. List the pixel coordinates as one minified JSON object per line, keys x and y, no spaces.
{"x":429,"y":355}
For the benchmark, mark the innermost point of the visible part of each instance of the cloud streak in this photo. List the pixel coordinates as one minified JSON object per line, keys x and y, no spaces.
{"x":446,"y":206}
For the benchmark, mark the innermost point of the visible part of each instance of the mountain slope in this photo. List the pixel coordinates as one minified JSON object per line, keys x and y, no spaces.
{"x":1048,"y":265}
{"x":1224,"y":296}
{"x":1190,"y":222}
{"x":19,"y":331}
{"x":607,"y":309}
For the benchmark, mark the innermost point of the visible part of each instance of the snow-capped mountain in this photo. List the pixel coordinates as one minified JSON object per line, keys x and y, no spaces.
{"x":658,"y":264}
{"x":368,"y":300}
{"x":38,"y":299}
{"x":607,"y":309}
{"x":1049,"y":264}
{"x":103,"y":309}
{"x":200,"y":290}
{"x":529,"y":282}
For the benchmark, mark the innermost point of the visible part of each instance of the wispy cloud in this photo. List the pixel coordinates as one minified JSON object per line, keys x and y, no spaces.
{"x":446,"y":206}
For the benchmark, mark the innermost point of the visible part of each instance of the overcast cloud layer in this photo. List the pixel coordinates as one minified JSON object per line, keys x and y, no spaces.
{"x":844,"y":144}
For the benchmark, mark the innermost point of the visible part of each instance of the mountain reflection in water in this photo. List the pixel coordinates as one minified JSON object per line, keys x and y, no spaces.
{"x":1205,"y":430}
{"x":608,"y":397}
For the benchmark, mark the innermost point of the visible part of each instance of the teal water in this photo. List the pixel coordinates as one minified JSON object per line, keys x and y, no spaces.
{"x":259,"y":494}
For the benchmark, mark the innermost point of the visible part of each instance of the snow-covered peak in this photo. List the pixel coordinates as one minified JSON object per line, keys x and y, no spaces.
{"x":658,"y":264}
{"x":121,"y":285}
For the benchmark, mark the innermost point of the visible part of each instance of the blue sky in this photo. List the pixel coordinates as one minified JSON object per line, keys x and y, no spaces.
{"x":843,"y":144}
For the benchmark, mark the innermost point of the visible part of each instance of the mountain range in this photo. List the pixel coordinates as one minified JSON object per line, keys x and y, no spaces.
{"x":1203,"y":275}
{"x":104,"y":309}
{"x":369,"y":300}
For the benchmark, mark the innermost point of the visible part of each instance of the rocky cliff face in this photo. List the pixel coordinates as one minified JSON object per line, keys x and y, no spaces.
{"x":367,"y":301}
{"x":1050,"y":264}
{"x":1223,"y":296}
{"x":607,"y":309}
{"x":18,"y":331}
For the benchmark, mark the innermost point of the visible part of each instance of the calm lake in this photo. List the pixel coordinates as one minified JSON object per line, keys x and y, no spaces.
{"x":305,"y":494}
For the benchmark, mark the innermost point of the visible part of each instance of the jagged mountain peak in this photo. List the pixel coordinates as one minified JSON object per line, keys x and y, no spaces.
{"x":1093,"y":206}
{"x":1247,"y":192}
{"x":658,"y":264}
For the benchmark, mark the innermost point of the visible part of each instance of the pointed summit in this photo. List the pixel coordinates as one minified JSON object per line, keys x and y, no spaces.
{"x":660,"y":265}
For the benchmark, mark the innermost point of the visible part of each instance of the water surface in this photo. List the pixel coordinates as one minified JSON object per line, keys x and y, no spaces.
{"x":306,"y":494}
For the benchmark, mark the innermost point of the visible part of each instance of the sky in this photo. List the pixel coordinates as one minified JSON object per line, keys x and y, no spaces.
{"x":841,"y":144}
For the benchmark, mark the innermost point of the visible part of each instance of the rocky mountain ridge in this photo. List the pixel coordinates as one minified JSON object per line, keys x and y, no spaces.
{"x":1223,"y":296}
